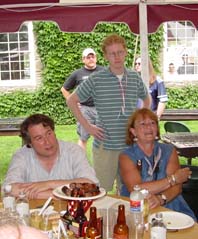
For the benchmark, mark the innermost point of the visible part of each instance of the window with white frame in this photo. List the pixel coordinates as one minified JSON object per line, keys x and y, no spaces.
{"x":180,"y":51}
{"x":17,"y":61}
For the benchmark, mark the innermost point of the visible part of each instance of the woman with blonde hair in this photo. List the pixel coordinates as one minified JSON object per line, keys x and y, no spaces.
{"x":156,"y":88}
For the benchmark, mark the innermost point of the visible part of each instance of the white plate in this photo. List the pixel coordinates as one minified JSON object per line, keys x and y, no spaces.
{"x":175,"y":220}
{"x":58,"y":193}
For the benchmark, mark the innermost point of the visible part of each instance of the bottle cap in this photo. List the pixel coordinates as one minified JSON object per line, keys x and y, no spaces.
{"x":137,"y":187}
{"x":8,"y":188}
{"x":158,"y":216}
{"x":21,"y":194}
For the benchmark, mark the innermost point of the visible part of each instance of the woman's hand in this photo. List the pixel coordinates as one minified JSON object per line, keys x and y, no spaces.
{"x":153,"y":200}
{"x":182,"y":175}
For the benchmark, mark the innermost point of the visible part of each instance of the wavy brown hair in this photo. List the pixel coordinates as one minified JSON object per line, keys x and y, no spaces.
{"x":34,"y":119}
{"x":144,"y":112}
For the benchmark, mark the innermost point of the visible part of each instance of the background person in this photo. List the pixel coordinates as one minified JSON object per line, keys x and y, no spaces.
{"x":44,"y":162}
{"x":87,"y":107}
{"x":152,"y":165}
{"x":171,"y":69}
{"x":115,"y":91}
{"x":156,"y":89}
{"x":171,"y":74}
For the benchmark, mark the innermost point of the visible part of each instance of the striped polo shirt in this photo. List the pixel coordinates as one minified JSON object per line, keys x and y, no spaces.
{"x":113,"y":110}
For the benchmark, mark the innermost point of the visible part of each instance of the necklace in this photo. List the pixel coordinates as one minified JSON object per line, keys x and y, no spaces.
{"x":153,"y":167}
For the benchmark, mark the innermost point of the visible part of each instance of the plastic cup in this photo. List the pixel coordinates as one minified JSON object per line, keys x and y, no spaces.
{"x":35,"y":219}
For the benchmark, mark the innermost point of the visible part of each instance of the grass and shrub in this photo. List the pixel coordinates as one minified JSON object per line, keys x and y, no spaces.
{"x":9,"y":144}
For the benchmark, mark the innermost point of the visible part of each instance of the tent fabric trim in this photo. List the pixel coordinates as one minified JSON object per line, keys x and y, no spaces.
{"x":84,"y":18}
{"x":173,"y":13}
{"x":73,"y":19}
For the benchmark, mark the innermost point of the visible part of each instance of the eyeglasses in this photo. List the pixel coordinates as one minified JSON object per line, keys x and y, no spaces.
{"x":114,"y":54}
{"x":137,"y":63}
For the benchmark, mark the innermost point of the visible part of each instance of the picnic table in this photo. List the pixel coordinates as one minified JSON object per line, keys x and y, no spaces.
{"x":179,"y":114}
{"x":10,"y":126}
{"x":186,"y":143}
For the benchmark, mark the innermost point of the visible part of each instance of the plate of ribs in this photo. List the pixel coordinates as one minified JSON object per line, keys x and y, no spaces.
{"x":79,"y":191}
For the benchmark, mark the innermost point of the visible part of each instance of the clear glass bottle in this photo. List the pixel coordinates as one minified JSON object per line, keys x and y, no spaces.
{"x":92,"y":231}
{"x":158,"y":228}
{"x":137,"y":205}
{"x":121,"y":230}
{"x":146,"y":204}
{"x":8,"y":199}
{"x":22,"y":207}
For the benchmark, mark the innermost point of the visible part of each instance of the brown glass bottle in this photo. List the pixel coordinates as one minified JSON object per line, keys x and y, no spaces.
{"x":80,"y":218}
{"x":121,"y":230}
{"x":93,"y":231}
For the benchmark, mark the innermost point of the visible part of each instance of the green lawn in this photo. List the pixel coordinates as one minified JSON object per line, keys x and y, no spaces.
{"x":9,"y":144}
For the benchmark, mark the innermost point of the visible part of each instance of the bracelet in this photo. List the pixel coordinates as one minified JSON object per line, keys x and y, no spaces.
{"x":173,"y":179}
{"x":164,"y":198}
{"x":169,"y":180}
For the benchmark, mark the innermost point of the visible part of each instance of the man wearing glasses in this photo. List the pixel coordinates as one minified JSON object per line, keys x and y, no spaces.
{"x":115,"y":91}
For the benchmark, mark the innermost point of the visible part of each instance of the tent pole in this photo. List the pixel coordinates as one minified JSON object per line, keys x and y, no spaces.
{"x":143,"y":25}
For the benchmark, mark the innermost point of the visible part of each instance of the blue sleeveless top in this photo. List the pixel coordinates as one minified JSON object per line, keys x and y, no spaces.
{"x":159,"y":158}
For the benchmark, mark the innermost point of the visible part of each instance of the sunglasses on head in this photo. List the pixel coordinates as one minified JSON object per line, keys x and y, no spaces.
{"x":137,"y":63}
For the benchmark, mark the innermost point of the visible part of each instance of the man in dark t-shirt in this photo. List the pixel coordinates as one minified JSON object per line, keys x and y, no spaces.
{"x":77,"y":77}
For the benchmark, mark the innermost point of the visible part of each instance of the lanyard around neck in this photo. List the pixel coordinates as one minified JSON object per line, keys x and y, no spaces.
{"x":151,"y":168}
{"x":123,"y":86}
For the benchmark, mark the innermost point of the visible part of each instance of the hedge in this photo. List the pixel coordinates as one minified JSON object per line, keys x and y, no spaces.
{"x":60,"y":54}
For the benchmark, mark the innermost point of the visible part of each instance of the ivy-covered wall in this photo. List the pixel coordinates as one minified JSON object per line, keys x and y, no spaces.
{"x":60,"y":54}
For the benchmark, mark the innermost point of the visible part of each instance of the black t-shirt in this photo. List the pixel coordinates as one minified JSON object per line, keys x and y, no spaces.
{"x":77,"y":77}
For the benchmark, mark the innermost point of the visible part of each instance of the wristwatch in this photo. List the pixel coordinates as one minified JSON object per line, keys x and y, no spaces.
{"x":163,"y":197}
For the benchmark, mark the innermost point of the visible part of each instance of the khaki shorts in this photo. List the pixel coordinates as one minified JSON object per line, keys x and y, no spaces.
{"x":105,"y":163}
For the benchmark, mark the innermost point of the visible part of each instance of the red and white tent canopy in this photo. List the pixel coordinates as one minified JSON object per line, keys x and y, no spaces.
{"x":142,"y":16}
{"x":82,"y":16}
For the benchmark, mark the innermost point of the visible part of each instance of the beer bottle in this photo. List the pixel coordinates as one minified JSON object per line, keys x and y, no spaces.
{"x":93,"y":231}
{"x":121,"y":230}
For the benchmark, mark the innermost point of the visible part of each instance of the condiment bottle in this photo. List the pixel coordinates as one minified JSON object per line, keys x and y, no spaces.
{"x":92,"y":231}
{"x":22,"y":207}
{"x":80,"y":218}
{"x":8,"y":199}
{"x":121,"y":230}
{"x":158,"y":228}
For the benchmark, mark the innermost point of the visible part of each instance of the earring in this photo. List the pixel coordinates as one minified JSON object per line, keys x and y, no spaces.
{"x":135,"y":139}
{"x":156,"y":137}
